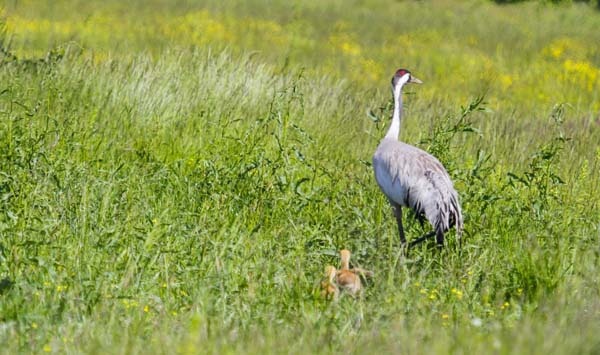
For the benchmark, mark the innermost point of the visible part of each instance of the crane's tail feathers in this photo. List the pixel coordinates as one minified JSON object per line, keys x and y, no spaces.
{"x":459,"y":226}
{"x":458,"y":219}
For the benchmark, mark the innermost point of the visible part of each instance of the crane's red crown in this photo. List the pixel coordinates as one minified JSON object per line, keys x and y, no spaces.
{"x":401,"y":72}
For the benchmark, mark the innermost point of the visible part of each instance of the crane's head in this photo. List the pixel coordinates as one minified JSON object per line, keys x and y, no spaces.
{"x":402,"y":77}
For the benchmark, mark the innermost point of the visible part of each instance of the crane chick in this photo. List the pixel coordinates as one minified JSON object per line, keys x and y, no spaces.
{"x":413,"y":178}
{"x":329,"y":289}
{"x":347,"y":279}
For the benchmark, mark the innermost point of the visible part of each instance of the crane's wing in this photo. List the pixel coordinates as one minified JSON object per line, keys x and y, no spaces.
{"x":412,"y":177}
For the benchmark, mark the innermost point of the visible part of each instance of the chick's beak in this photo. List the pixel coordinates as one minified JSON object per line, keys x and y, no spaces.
{"x":415,"y":80}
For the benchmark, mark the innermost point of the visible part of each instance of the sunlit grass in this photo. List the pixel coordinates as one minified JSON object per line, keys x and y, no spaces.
{"x":175,"y":176}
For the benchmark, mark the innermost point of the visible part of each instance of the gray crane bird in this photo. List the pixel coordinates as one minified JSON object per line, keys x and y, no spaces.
{"x":411,"y":177}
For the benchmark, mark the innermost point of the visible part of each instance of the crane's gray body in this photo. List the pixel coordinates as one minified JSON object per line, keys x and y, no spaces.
{"x":411,"y":177}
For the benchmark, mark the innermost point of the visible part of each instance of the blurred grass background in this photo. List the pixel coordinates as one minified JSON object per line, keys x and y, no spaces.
{"x":176,"y":174}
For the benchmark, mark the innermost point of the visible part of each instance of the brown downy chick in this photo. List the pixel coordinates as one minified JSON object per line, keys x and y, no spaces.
{"x":348,"y":280}
{"x":329,"y":289}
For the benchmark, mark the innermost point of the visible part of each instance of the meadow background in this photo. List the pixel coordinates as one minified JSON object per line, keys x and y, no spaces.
{"x":175,"y":175}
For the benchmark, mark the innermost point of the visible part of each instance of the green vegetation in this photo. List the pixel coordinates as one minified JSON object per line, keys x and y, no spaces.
{"x":175,"y":176}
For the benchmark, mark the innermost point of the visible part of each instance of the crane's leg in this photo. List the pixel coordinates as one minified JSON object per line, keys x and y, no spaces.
{"x":439,"y":237}
{"x":398,"y":213}
{"x":421,"y":239}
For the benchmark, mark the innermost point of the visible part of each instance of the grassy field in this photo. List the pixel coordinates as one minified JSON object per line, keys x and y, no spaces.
{"x":175,"y":175}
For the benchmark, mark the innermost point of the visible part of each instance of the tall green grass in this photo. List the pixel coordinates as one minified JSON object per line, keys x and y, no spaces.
{"x":163,"y":195}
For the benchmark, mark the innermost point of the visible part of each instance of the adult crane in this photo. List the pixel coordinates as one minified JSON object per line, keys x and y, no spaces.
{"x":411,"y":177}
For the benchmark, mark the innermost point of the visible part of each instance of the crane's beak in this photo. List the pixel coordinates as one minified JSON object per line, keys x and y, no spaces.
{"x":415,"y":80}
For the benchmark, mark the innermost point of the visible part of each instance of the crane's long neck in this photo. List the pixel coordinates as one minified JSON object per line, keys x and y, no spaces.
{"x":394,"y":130}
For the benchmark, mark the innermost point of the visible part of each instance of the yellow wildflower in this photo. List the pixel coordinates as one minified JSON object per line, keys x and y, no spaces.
{"x":346,"y":44}
{"x":565,"y":47}
{"x":457,"y":293}
{"x":582,"y":72}
{"x":506,"y":81}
